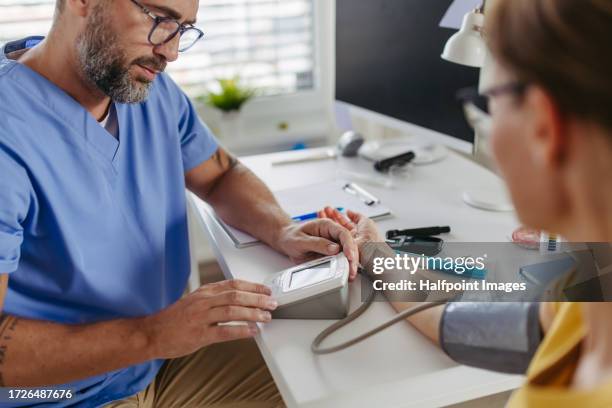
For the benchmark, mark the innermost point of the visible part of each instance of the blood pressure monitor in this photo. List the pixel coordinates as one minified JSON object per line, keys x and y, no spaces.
{"x":314,"y":290}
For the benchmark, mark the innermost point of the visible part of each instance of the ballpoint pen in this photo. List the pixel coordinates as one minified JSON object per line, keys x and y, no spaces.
{"x":311,"y":216}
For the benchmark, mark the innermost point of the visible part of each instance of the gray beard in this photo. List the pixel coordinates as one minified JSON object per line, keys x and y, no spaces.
{"x":103,"y":63}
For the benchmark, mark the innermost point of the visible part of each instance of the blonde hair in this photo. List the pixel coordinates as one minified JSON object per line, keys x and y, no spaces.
{"x":564,"y":46}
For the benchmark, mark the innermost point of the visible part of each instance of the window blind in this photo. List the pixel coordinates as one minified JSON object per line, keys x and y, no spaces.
{"x":268,"y":44}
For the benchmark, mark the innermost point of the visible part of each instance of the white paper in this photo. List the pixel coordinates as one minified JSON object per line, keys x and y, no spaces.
{"x":455,"y":13}
{"x":305,"y":200}
{"x":308,"y":199}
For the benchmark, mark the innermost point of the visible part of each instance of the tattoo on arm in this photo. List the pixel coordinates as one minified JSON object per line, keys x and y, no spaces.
{"x":226,"y":163}
{"x":7,"y":329}
{"x":225,"y":160}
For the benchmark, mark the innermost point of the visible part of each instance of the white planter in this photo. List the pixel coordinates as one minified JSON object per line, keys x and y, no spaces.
{"x":231,"y":125}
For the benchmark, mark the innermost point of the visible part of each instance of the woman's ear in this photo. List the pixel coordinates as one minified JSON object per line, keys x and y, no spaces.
{"x":550,"y":128}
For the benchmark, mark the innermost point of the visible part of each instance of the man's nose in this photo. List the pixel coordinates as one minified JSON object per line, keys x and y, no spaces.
{"x":168,"y":50}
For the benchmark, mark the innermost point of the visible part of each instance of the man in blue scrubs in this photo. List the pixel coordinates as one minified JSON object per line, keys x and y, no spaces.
{"x":97,"y":146}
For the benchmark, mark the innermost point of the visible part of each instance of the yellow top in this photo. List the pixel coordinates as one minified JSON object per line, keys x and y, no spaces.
{"x":552,"y":369}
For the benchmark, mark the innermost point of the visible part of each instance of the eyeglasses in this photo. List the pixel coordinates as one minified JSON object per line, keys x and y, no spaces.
{"x":482,"y":99}
{"x":476,"y":104}
{"x":166,"y":28}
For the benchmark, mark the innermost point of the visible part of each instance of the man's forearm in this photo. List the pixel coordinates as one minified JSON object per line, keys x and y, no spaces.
{"x":242,"y":200}
{"x":36,"y":353}
{"x":3,"y":287}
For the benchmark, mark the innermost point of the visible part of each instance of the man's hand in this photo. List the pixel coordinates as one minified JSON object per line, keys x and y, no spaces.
{"x":193,"y":322}
{"x":243,"y":201}
{"x":303,"y":242}
{"x":363,"y":229}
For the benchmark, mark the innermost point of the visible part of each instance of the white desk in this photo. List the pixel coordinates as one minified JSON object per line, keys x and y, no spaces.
{"x":398,"y":367}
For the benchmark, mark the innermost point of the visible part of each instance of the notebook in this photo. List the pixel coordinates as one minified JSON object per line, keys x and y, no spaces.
{"x":304,"y":200}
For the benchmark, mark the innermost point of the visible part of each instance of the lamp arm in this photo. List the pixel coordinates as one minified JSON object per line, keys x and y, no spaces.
{"x":482,"y":7}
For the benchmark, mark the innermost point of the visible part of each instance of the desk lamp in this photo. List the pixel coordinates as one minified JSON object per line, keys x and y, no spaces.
{"x":468,"y":47}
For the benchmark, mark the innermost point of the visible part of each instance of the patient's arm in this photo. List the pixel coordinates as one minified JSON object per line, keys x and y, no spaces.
{"x":500,"y":336}
{"x":427,"y":322}
{"x":495,"y":336}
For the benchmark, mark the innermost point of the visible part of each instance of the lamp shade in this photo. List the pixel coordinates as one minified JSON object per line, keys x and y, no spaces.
{"x":467,"y":47}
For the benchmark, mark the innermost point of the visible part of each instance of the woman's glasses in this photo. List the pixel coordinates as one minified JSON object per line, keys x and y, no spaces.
{"x":482,"y":100}
{"x":476,"y":104}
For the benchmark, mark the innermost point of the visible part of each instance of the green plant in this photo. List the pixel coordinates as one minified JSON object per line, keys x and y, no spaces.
{"x":231,"y":97}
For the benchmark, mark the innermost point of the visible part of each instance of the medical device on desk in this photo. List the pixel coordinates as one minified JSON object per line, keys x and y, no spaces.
{"x":314,"y":290}
{"x":319,"y":290}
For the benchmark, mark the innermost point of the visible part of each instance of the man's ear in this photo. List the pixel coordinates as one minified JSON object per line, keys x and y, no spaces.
{"x":549,"y":125}
{"x":80,"y":8}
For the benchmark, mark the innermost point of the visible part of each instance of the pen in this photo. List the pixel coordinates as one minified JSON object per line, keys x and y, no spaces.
{"x":418,"y":232}
{"x":366,"y":197}
{"x":311,"y":216}
{"x":327,"y":155}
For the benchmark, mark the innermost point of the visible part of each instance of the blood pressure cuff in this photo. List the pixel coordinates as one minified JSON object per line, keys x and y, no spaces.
{"x":501,"y":337}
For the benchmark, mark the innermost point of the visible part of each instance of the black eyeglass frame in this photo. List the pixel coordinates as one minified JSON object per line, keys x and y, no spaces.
{"x":516,"y":88}
{"x":481,"y":99}
{"x":180,"y":28}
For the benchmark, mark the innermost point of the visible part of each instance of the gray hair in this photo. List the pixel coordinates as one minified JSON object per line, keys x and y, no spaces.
{"x":104,"y":64}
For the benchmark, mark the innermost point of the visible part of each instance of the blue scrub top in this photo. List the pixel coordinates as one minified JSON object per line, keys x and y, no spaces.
{"x":92,"y":227}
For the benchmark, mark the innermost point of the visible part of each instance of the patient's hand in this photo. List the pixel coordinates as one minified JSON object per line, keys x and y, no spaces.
{"x":364,"y":230}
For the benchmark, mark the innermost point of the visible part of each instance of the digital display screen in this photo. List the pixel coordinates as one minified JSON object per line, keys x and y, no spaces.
{"x":310,"y":276}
